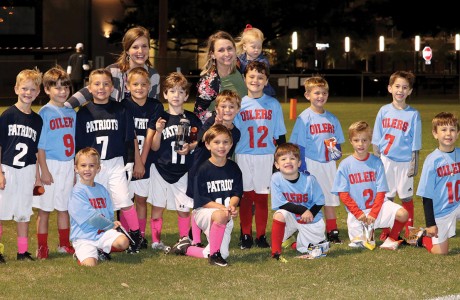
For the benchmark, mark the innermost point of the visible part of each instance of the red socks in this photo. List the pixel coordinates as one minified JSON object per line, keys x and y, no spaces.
{"x":246,"y":212}
{"x":261,"y":215}
{"x":409,"y":206}
{"x":396,"y":229}
{"x":331,"y":224}
{"x":63,"y":237}
{"x":277,"y":236}
{"x":42,"y":239}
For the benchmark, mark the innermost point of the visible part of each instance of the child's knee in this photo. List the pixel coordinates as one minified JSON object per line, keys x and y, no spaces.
{"x":219,"y":216}
{"x":402,"y":215}
{"x":89,"y":262}
{"x":279,"y":217}
{"x":121,"y":243}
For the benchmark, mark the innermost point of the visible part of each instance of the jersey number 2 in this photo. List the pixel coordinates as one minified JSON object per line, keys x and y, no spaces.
{"x":23,"y":151}
{"x":260,"y":141}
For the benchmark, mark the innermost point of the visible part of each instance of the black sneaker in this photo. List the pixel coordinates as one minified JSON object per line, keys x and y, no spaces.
{"x":246,"y":242}
{"x":333,"y":236}
{"x":180,"y":248}
{"x":24,"y":256}
{"x":103,"y":256}
{"x":138,"y":239}
{"x":2,"y":259}
{"x":261,"y":242}
{"x":217,"y":260}
{"x":279,"y":257}
{"x":201,"y":245}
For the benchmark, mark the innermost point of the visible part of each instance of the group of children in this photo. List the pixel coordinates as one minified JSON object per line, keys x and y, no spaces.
{"x":118,"y":156}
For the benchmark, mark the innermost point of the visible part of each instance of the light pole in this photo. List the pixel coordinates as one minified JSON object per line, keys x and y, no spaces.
{"x":417,"y":49}
{"x":381,"y":49}
{"x":347,"y":50}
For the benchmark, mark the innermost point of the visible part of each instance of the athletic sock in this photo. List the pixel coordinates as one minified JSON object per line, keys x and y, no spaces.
{"x":427,"y":242}
{"x":64,"y":239}
{"x":23,"y":244}
{"x":409,"y":206}
{"x":216,"y":235}
{"x":396,"y":229}
{"x":195,"y":252}
{"x":131,"y":218}
{"x":278,"y":228}
{"x":142,"y":224}
{"x":331,"y":224}
{"x":261,"y":215}
{"x":122,"y":219}
{"x":246,"y":212}
{"x":196,"y":232}
{"x":385,"y":233}
{"x":156,"y":226}
{"x":42,"y":239}
{"x":184,"y":225}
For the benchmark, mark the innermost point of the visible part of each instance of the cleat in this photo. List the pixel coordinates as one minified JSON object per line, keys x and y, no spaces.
{"x":279,"y":257}
{"x":356,"y":245}
{"x":136,"y":236}
{"x":180,"y":248}
{"x":246,"y":242}
{"x":217,"y":260}
{"x":2,"y":259}
{"x":65,"y":249}
{"x":289,"y":242}
{"x":201,"y":245}
{"x":42,"y":252}
{"x":159,"y":246}
{"x":24,"y":256}
{"x":261,"y":242}
{"x":389,"y":244}
{"x":333,"y":237}
{"x":103,"y":256}
{"x":144,"y":244}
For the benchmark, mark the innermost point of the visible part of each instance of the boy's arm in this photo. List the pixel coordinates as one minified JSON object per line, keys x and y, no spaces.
{"x":413,"y":169}
{"x":100,"y":222}
{"x":45,"y":176}
{"x":139,"y":168}
{"x":147,"y":144}
{"x":376,"y":150}
{"x":159,"y":126}
{"x":2,"y":175}
{"x":377,"y":206}
{"x":351,"y":204}
{"x":431,"y":227}
{"x":79,"y":98}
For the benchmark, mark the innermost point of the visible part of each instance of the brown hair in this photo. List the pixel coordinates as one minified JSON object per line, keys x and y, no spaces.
{"x":216,"y":130}
{"x":358,"y":127}
{"x":88,"y":151}
{"x":228,"y":95}
{"x":29,"y":74}
{"x":287,"y":148}
{"x":128,"y":40}
{"x":176,"y":79}
{"x":258,"y":66}
{"x":138,"y":71}
{"x":53,"y":75}
{"x":100,"y":71}
{"x":443,"y":119}
{"x":210,"y":64}
{"x":409,"y":76}
{"x":315,"y":81}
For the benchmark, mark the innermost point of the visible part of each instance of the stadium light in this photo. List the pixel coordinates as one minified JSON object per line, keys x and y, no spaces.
{"x":347,"y":49}
{"x":382,"y":43}
{"x":294,"y":40}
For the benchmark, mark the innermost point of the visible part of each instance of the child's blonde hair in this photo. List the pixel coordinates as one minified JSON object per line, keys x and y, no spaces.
{"x":287,"y":148}
{"x":29,"y":74}
{"x":443,"y":119}
{"x":128,"y":40}
{"x":359,"y":127}
{"x":54,"y":75}
{"x":249,"y":34}
{"x":101,"y":71}
{"x":315,"y":81}
{"x":409,"y":76}
{"x":176,"y":79}
{"x":216,"y":130}
{"x":88,"y":151}
{"x":230,"y":96}
{"x":210,"y":64}
{"x":138,"y":71}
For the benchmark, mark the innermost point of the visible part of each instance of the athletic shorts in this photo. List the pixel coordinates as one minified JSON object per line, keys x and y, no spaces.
{"x":88,"y":248}
{"x":203,"y":220}
{"x":308,"y":233}
{"x":16,"y":198}
{"x":385,"y":219}
{"x":168,"y":195}
{"x":139,"y":187}
{"x":397,"y":179}
{"x":257,"y":172}
{"x":113,"y":177}
{"x":325,"y":174}
{"x":57,"y":194}
{"x":447,"y":226}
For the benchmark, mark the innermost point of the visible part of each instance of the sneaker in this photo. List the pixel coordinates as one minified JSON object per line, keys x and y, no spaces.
{"x":246,"y":242}
{"x":279,"y":257}
{"x":389,"y":244}
{"x":137,"y":238}
{"x":356,"y":245}
{"x":333,"y":236}
{"x":144,"y":244}
{"x":384,"y":235}
{"x":103,"y":256}
{"x":2,"y":259}
{"x":217,"y":260}
{"x":288,"y":242}
{"x":160,"y":246}
{"x":201,"y":245}
{"x":24,"y":256}
{"x":42,"y":252}
{"x":65,"y":249}
{"x":261,"y":242}
{"x":180,"y":248}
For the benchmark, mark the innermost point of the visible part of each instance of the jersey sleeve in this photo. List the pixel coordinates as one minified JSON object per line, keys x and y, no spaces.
{"x":341,"y":183}
{"x":427,"y":179}
{"x":280,"y":127}
{"x":277,"y":198}
{"x":417,"y":141}
{"x":377,"y":132}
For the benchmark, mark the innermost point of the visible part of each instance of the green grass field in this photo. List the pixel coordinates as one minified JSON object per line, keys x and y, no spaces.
{"x":408,"y":273}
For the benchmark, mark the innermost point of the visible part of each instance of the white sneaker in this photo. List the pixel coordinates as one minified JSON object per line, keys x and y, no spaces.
{"x":356,"y":245}
{"x":389,"y":244}
{"x":160,"y":246}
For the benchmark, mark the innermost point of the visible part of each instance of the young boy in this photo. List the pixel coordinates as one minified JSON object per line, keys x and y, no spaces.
{"x":218,"y":188}
{"x":319,"y":134}
{"x":20,"y":129}
{"x":145,"y":112}
{"x":438,"y":185}
{"x":93,"y":232}
{"x":108,"y":127}
{"x":168,"y":173}
{"x":56,"y":150}
{"x":397,"y":139}
{"x":361,"y":185}
{"x":297,"y":199}
{"x":261,"y":122}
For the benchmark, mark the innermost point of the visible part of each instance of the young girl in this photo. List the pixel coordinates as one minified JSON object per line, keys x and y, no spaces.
{"x":249,"y":48}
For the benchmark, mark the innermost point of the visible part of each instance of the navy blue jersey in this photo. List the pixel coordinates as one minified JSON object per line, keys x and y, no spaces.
{"x":218,"y":184}
{"x":144,"y":117}
{"x":171,"y":165}
{"x":105,"y":127}
{"x":19,"y":136}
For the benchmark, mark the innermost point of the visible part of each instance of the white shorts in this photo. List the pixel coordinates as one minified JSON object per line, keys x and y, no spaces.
{"x":113,"y":177}
{"x":88,"y":248}
{"x":447,"y":226}
{"x":257,"y":172}
{"x":308,"y":233}
{"x":139,"y":187}
{"x":398,"y":182}
{"x":16,"y":198}
{"x":168,"y":195}
{"x":385,"y":219}
{"x":57,"y":194}
{"x":203,"y":220}
{"x":325,"y":174}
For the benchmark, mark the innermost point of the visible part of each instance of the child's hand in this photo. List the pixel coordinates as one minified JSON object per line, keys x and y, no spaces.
{"x":116,"y":224}
{"x":2,"y":181}
{"x":218,"y":119}
{"x":307,"y":217}
{"x":370,"y":220}
{"x":363,"y":218}
{"x":432,"y":231}
{"x":138,"y":171}
{"x":185,"y":149}
{"x":233,"y":211}
{"x":160,"y":124}
{"x":46,"y":178}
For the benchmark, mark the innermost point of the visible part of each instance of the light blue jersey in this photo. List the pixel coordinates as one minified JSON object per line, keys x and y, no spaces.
{"x":260,"y":121}
{"x":397,"y":132}
{"x":83,"y":204}
{"x":440,"y":181}
{"x":58,"y":132}
{"x":306,"y":192}
{"x":311,"y":130}
{"x":362,"y":179}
